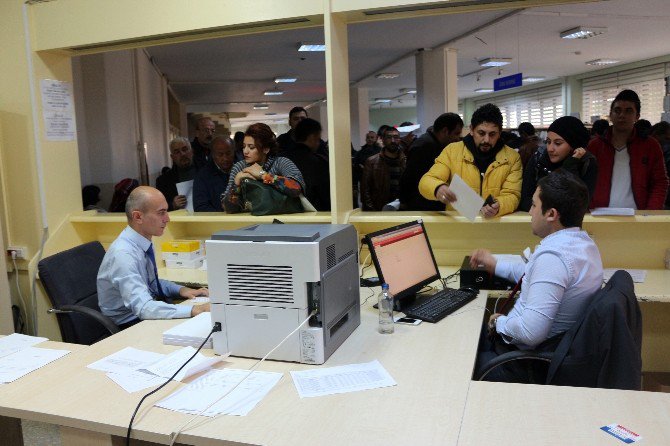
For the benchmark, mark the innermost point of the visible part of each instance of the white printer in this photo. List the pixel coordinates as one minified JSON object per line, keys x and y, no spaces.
{"x":264,"y":280}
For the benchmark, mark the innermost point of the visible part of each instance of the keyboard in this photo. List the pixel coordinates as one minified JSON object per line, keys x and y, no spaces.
{"x":440,"y":305}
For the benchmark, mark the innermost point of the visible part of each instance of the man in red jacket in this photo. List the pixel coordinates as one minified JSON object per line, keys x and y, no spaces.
{"x":631,"y":171}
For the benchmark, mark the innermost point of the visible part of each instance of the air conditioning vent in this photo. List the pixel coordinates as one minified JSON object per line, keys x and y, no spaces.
{"x":260,"y":283}
{"x":331,"y":260}
{"x":350,"y":253}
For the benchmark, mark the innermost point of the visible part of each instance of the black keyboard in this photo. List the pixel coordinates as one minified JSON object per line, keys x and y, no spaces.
{"x":440,"y":305}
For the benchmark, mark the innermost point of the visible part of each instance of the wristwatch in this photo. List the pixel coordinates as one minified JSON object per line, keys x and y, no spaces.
{"x":261,"y":174}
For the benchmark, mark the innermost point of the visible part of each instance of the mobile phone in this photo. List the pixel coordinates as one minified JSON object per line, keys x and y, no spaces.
{"x":489,"y":200}
{"x":406,"y":320}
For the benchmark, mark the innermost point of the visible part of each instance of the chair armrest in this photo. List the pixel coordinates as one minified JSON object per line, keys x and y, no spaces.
{"x":99,"y":317}
{"x":515,"y":355}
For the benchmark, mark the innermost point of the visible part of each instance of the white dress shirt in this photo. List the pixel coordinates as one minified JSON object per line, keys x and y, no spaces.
{"x":561,"y":277}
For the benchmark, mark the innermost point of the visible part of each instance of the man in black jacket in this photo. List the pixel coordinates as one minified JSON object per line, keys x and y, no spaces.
{"x":446,"y":129}
{"x":312,"y":165}
{"x":182,"y":169}
{"x":211,"y":181}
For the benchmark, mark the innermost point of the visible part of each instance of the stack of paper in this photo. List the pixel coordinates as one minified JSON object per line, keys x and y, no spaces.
{"x":135,"y":369}
{"x":191,"y":332}
{"x":18,"y":357}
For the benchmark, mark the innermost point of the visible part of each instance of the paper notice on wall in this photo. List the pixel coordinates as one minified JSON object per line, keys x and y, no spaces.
{"x":58,"y":110}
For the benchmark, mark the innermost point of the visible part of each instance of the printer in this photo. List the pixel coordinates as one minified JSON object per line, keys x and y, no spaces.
{"x":265,"y":279}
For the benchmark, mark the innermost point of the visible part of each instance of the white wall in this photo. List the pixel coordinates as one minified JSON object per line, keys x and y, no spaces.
{"x":107,"y":118}
{"x":393,"y":117}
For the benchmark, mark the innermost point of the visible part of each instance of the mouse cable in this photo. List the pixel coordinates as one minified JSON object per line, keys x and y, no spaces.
{"x":215,"y":328}
{"x":175,"y":434}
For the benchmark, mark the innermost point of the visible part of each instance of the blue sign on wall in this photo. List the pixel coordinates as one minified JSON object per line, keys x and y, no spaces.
{"x":503,"y":83}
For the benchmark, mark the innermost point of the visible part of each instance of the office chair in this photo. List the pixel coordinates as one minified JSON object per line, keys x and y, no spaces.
{"x":602,"y":349}
{"x":70,"y":281}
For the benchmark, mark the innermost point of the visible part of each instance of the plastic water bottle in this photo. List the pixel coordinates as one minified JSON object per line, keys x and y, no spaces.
{"x":385,"y":304}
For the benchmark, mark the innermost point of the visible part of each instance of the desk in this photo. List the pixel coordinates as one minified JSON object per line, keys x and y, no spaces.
{"x":30,"y":386}
{"x":432,"y":364}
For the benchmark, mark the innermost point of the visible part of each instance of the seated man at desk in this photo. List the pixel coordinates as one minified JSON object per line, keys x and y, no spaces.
{"x":559,"y":279}
{"x":128,"y":286}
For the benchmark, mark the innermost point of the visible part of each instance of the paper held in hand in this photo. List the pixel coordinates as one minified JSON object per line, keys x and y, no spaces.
{"x":468,"y":203}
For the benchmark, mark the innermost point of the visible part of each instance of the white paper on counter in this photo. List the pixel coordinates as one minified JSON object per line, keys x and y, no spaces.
{"x":17,"y":341}
{"x":341,"y":379}
{"x":126,"y":361}
{"x":16,"y":365}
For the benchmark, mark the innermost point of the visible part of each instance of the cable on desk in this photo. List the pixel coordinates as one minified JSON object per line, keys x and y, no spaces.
{"x":174,"y":435}
{"x":215,"y":328}
{"x":18,"y":287}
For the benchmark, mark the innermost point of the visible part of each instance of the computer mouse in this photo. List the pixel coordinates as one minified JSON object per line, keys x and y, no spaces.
{"x":469,"y":289}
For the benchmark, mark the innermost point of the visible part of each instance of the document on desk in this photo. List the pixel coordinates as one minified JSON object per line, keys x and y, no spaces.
{"x":638,"y":275}
{"x":192,"y":331}
{"x":135,"y":381}
{"x":596,"y":212}
{"x":341,"y":379}
{"x":468,"y":202}
{"x":126,"y":361}
{"x":205,"y":390}
{"x":16,"y":342}
{"x":168,"y":365}
{"x":29,"y":359}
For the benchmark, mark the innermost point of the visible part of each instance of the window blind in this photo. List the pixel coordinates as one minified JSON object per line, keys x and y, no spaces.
{"x":540,"y":106}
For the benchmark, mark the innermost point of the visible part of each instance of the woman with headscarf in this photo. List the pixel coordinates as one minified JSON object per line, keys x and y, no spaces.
{"x":566,"y":141}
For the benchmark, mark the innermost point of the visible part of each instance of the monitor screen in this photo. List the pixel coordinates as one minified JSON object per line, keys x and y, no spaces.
{"x":403,"y":258}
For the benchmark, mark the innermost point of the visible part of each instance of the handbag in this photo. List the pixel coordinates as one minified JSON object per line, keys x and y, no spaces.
{"x":263,"y":199}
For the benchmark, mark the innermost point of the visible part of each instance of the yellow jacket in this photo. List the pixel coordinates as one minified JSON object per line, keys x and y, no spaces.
{"x":502,"y":179}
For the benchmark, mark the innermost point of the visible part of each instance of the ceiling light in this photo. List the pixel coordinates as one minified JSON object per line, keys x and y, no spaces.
{"x":583,"y":32}
{"x":484,"y":90}
{"x":382,"y":101}
{"x":495,"y":62}
{"x":285,"y":80}
{"x":273,"y":92}
{"x":387,"y":75}
{"x":602,"y":62}
{"x":408,"y":90}
{"x":270,"y":114}
{"x":261,"y":106}
{"x":530,"y":79}
{"x":311,"y":46}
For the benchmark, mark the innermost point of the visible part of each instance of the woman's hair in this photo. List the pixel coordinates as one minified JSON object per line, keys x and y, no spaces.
{"x":263,"y":137}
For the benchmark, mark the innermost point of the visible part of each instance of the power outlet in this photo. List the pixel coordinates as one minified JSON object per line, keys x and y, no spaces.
{"x":21,"y":251}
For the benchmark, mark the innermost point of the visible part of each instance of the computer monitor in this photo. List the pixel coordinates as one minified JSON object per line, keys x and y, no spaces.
{"x":403,"y":259}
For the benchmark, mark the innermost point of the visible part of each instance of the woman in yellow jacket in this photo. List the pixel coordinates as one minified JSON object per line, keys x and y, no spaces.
{"x":485,"y":164}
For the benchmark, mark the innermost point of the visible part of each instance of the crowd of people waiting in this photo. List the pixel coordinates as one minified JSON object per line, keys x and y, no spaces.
{"x":623,"y":165}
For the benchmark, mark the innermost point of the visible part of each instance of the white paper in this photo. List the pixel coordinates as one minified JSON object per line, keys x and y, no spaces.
{"x":14,"y":366}
{"x":204,"y":265}
{"x":126,"y":361}
{"x":612,"y":211}
{"x":168,"y":365}
{"x":17,"y":341}
{"x":186,"y":188}
{"x":342,"y":379}
{"x":136,"y":381}
{"x":58,"y":110}
{"x":468,"y":202}
{"x":638,"y":275}
{"x":208,"y":388}
{"x":192,"y":331}
{"x":200,"y":300}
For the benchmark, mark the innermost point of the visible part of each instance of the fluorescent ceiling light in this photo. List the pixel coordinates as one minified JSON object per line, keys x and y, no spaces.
{"x":387,"y":75}
{"x":530,"y":79}
{"x":273,"y":92}
{"x":270,"y":114}
{"x":602,"y":62}
{"x":495,"y":62}
{"x":311,"y":46}
{"x":408,"y":90}
{"x":583,"y":32}
{"x":484,"y":90}
{"x":261,"y":107}
{"x":285,"y":80}
{"x":382,"y":101}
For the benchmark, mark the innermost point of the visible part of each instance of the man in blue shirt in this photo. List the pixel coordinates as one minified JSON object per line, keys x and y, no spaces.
{"x":128,"y":286}
{"x":559,"y":279}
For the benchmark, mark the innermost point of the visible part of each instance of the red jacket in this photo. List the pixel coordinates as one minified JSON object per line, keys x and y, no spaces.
{"x":649,"y":179}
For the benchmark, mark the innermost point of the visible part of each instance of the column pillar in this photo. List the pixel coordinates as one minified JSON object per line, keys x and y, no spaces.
{"x":360,"y":115}
{"x":437,"y":91}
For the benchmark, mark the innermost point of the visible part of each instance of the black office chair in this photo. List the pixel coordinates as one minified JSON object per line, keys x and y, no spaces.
{"x":69,"y":279}
{"x":602,"y":349}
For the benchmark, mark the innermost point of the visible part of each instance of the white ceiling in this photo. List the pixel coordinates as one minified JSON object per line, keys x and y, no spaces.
{"x":230,"y":74}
